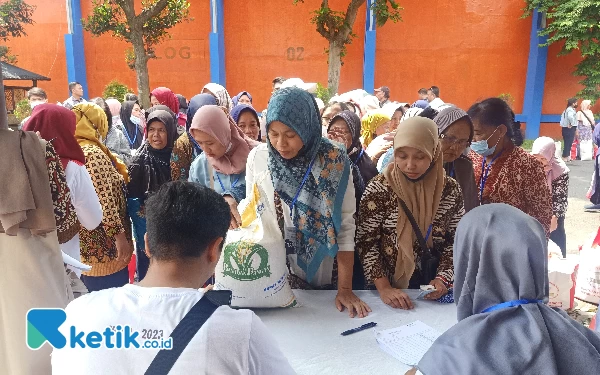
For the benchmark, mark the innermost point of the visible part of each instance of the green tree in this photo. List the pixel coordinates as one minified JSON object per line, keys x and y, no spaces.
{"x":14,"y":16}
{"x":115,"y":89}
{"x":577,"y":24}
{"x":336,"y":27}
{"x":143,"y":31}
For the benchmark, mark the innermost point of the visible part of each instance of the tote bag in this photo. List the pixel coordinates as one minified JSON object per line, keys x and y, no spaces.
{"x":253,"y":260}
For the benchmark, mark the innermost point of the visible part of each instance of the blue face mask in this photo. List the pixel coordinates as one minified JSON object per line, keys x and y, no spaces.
{"x":482,"y":147}
{"x":135,"y":120}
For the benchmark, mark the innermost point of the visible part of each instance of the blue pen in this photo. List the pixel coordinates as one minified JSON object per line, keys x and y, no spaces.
{"x":358,"y":329}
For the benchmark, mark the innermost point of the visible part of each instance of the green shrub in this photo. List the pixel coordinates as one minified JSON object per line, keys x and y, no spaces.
{"x":22,"y":110}
{"x":116,"y":89}
{"x":323,"y":93}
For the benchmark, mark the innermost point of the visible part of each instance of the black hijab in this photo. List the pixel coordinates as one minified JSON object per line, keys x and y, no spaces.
{"x":151,"y":168}
{"x":134,"y":132}
{"x":160,"y":107}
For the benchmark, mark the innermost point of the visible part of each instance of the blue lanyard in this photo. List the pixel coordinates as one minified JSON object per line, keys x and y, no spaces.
{"x":428,"y":232}
{"x":485,"y":171}
{"x":300,"y":189}
{"x":452,"y":170}
{"x":221,"y":183}
{"x":514,"y":303}
{"x":131,"y":143}
{"x":362,"y":151}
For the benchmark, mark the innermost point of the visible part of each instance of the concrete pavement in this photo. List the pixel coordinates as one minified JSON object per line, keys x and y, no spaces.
{"x":580,"y":225}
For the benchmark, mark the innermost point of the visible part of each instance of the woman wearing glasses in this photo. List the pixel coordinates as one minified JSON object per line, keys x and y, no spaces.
{"x":456,"y":132}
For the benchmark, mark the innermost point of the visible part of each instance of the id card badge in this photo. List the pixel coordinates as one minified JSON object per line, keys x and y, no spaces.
{"x":291,"y":240}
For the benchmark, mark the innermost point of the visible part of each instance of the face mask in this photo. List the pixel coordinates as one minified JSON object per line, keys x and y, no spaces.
{"x":482,"y":147}
{"x":34,"y":104}
{"x":135,"y":120}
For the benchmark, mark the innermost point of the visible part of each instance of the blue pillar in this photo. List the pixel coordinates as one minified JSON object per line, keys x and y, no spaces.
{"x":369,"y":51}
{"x":74,"y":48}
{"x":217,"y":43}
{"x":536,"y":77}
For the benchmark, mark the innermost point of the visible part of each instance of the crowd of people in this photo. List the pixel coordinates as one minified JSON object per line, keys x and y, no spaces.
{"x":369,"y":194}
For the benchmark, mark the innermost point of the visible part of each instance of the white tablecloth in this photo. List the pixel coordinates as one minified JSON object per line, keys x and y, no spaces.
{"x":309,"y":335}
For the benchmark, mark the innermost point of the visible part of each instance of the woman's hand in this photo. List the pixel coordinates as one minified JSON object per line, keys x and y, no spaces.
{"x":395,"y":298}
{"x":347,"y":299}
{"x":440,"y":290}
{"x":124,"y":249}
{"x":236,"y":219}
{"x":379,"y":153}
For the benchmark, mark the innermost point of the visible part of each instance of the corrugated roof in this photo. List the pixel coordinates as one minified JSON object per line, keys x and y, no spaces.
{"x":15,"y":73}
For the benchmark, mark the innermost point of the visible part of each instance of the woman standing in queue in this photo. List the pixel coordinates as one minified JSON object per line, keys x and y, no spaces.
{"x":222,"y":165}
{"x":107,"y":248}
{"x":557,"y":173}
{"x":220,"y":93}
{"x":308,"y":182}
{"x":389,"y":248}
{"x":456,"y":133}
{"x":504,"y":172}
{"x":149,"y":169}
{"x":132,"y":124}
{"x":186,"y":149}
{"x":247,"y":119}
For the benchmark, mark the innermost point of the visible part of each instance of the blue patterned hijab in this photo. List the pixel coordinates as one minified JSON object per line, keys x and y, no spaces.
{"x":318,"y":209}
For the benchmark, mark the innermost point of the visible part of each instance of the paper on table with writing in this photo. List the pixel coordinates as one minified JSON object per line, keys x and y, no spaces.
{"x":408,"y":343}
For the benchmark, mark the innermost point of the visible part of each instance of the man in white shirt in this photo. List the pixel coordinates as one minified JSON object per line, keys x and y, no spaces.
{"x":433,"y":96}
{"x":186,"y":225}
{"x":76,"y":95}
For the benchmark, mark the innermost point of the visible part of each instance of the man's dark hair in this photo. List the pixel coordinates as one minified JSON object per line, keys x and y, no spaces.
{"x":278,"y":80}
{"x":435,"y":90}
{"x":100,"y":102}
{"x":131,"y":97}
{"x":571,"y":101}
{"x":422,"y":91}
{"x":72,"y":85}
{"x":36,"y":91}
{"x":182,"y":218}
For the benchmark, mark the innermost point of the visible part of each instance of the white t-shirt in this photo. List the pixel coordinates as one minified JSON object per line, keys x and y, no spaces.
{"x":256,"y":166}
{"x":230,"y":342}
{"x":86,"y":203}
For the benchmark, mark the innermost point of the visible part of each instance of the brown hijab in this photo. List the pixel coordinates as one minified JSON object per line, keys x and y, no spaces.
{"x":422,"y":197}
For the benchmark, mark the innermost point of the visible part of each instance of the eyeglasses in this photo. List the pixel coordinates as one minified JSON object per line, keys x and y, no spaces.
{"x":326,"y":119}
{"x":463,"y":143}
{"x":338,"y":131}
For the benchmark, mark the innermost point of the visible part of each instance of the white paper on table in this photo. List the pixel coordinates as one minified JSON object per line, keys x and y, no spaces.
{"x":407,"y":343}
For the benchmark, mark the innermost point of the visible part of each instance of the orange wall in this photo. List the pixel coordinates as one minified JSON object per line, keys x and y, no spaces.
{"x":471,"y":49}
{"x":257,"y":40}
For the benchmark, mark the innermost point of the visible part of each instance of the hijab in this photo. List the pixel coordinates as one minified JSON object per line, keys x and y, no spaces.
{"x":150,"y":168}
{"x":368,"y":103}
{"x":585,"y":115}
{"x":221,"y":94}
{"x":500,"y":255}
{"x":114,"y":105}
{"x":237,"y":111}
{"x":91,"y":125}
{"x":318,"y":208}
{"x":133,"y":132}
{"x":213,"y":121}
{"x":236,"y":98}
{"x":56,"y":124}
{"x":166,"y":97}
{"x":26,"y":202}
{"x":411,"y":112}
{"x":422,"y":197}
{"x":159,"y":107}
{"x":196,"y":102}
{"x":421,"y":103}
{"x":546,"y":147}
{"x":370,"y":122}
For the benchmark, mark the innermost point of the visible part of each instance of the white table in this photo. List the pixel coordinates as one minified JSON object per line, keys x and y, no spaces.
{"x":309,"y":335}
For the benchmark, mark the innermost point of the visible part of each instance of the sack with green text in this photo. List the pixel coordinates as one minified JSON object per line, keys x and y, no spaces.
{"x":253,"y":261}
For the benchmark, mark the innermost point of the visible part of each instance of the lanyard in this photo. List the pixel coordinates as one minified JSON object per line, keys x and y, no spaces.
{"x":232,"y":185}
{"x":300,"y":189}
{"x":131,"y":143}
{"x":428,"y":232}
{"x":452,"y":170}
{"x":485,"y":171}
{"x":362,"y":151}
{"x":514,"y":303}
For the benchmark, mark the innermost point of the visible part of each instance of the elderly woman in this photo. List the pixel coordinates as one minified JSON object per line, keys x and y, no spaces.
{"x":501,"y":292}
{"x":107,"y":248}
{"x":309,"y":185}
{"x":220,"y":93}
{"x":408,"y":216}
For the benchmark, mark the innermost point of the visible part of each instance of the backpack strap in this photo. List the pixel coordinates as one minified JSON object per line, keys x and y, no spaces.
{"x":187,"y":329}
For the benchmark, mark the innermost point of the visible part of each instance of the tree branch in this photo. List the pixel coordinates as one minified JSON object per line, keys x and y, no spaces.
{"x":152,"y":12}
{"x":351,"y":13}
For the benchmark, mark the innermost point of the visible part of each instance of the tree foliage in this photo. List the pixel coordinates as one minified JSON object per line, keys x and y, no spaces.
{"x":576,"y":23}
{"x":115,"y":89}
{"x":14,"y":16}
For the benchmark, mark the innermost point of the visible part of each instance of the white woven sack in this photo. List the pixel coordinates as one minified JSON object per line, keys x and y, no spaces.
{"x":253,"y":260}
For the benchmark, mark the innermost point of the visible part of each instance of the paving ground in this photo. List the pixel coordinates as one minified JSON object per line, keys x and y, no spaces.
{"x":580,"y":225}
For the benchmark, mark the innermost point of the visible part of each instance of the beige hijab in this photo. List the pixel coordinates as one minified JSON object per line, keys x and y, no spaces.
{"x":422,"y":197}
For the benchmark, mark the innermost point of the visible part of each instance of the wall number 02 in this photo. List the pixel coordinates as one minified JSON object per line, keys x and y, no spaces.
{"x":295,"y":54}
